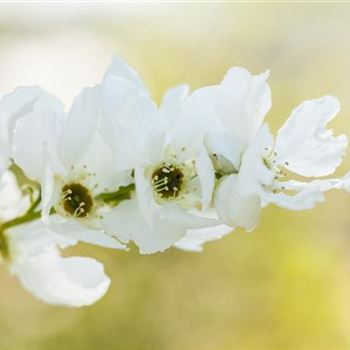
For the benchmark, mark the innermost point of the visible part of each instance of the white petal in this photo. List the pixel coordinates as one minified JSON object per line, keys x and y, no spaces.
{"x":225,"y":150}
{"x":173,"y":98}
{"x":242,"y":102}
{"x":307,"y":194}
{"x":304,"y":142}
{"x":253,"y":173}
{"x":98,"y":162}
{"x":120,"y":69}
{"x":126,"y":222}
{"x":13,"y":106}
{"x":300,"y":201}
{"x":36,"y":261}
{"x":50,"y":191}
{"x":12,"y":203}
{"x":344,"y":182}
{"x":198,"y":116}
{"x":79,"y":126}
{"x":206,"y":174}
{"x":235,"y":209}
{"x":22,"y":101}
{"x":71,"y":228}
{"x":194,"y":239}
{"x":129,"y":117}
{"x":190,"y":220}
{"x":116,"y":92}
{"x":144,"y":192}
{"x":34,"y":142}
{"x":73,"y":282}
{"x":135,"y":121}
{"x":4,"y":160}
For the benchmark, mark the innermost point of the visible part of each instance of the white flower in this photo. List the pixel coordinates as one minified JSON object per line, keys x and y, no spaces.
{"x":303,"y":146}
{"x":66,"y":155}
{"x":253,"y":165}
{"x":32,"y":253}
{"x":173,"y":174}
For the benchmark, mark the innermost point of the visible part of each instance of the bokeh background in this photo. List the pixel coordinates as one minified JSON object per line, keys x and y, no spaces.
{"x":284,"y":286}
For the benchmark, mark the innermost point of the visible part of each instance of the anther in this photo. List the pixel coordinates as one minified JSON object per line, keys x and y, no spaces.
{"x":167,"y":181}
{"x":76,"y":200}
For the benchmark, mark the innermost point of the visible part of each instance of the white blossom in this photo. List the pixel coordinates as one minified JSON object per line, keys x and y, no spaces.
{"x":254,"y":166}
{"x":66,"y":155}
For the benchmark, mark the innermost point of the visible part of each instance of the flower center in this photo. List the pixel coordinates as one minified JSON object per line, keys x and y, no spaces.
{"x":77,"y":200}
{"x":167,"y":181}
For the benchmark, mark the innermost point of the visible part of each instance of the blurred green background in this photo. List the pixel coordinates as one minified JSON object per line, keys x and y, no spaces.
{"x":284,"y":286}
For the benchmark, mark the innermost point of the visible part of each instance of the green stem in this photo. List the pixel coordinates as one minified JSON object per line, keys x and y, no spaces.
{"x":27,"y":217}
{"x":34,"y":204}
{"x":114,"y":198}
{"x":4,"y":247}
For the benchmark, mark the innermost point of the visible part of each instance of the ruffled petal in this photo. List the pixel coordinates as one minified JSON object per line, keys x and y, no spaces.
{"x":306,"y":194}
{"x":304,"y":145}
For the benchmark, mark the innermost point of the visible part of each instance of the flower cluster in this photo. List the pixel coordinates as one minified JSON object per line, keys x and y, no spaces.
{"x":116,"y":168}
